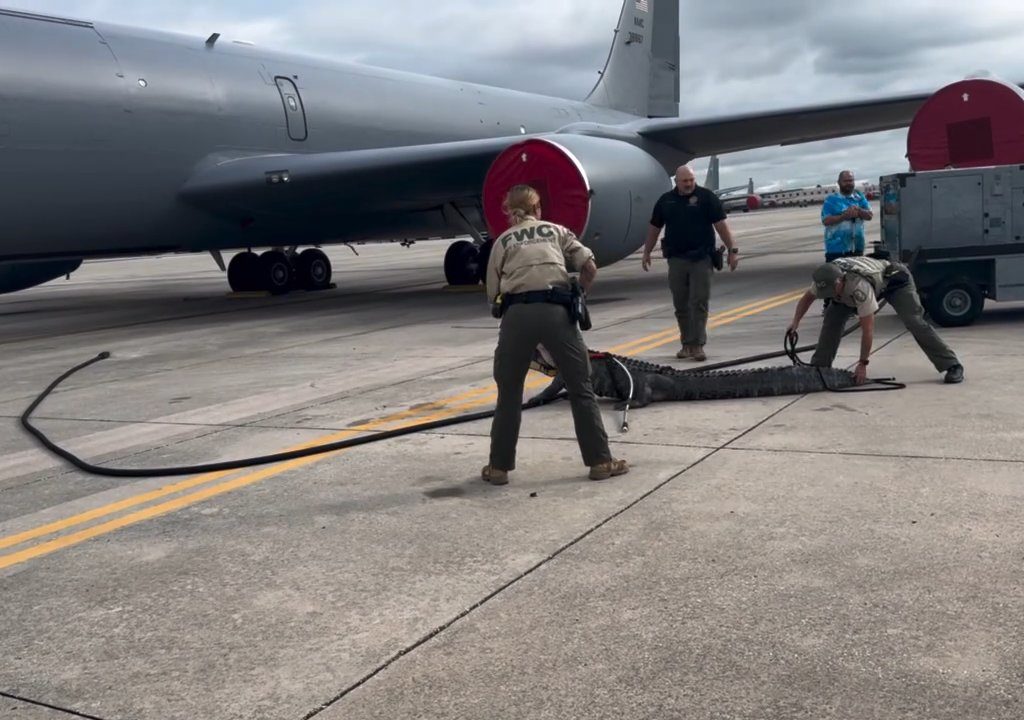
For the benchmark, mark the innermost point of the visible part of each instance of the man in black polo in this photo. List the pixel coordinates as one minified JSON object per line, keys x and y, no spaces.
{"x":690,"y":216}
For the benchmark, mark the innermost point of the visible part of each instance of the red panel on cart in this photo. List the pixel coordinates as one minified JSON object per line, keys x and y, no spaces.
{"x":971,"y":123}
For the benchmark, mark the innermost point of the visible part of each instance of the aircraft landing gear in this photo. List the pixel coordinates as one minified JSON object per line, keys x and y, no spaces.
{"x":243,"y":272}
{"x":465,"y":262}
{"x":313,"y":270}
{"x":277,"y":272}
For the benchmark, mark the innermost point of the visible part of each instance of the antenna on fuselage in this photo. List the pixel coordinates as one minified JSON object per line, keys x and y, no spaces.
{"x":212,"y":40}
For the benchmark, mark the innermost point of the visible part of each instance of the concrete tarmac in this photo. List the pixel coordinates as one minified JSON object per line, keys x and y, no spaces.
{"x":817,"y":556}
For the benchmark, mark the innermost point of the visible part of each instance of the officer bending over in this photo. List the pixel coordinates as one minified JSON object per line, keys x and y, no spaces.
{"x":527,"y":276}
{"x":856,"y":284}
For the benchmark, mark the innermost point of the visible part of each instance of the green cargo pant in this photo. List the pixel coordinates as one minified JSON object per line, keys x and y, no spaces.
{"x":905,"y":302}
{"x":690,"y":282}
{"x":523,"y":327}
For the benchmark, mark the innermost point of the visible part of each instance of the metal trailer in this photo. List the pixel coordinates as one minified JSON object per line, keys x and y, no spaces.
{"x":962,"y":231}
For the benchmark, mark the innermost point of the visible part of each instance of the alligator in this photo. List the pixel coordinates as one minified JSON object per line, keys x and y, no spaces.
{"x":610,"y":375}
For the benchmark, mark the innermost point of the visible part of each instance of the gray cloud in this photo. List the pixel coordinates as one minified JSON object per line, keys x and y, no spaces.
{"x":737,"y":56}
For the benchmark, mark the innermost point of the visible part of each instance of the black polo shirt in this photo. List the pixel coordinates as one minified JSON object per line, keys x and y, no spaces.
{"x":688,"y":221}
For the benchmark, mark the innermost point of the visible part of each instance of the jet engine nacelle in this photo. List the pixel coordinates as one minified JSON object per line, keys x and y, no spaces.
{"x":21,"y":275}
{"x":601,"y":189}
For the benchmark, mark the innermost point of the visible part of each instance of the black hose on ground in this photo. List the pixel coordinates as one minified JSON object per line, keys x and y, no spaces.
{"x":791,"y":351}
{"x":230,"y":464}
{"x":772,"y":355}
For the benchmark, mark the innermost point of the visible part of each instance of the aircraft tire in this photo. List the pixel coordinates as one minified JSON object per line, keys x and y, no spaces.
{"x":244,"y":272}
{"x":462,"y":263}
{"x":275,"y":272}
{"x":313,"y":270}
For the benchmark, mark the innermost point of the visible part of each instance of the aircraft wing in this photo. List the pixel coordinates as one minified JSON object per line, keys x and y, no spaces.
{"x":319,"y":186}
{"x":391,"y":179}
{"x":783,"y":127}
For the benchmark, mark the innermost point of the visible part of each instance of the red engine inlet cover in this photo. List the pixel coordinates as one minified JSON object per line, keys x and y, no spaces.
{"x":971,"y":123}
{"x":548,"y":168}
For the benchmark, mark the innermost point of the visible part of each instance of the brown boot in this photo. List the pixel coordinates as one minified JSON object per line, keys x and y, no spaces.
{"x":698,"y":353}
{"x":686,"y":352}
{"x":605,"y":470}
{"x":494,"y":476}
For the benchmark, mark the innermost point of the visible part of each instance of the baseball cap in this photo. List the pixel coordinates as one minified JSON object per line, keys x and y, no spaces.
{"x":825,"y":276}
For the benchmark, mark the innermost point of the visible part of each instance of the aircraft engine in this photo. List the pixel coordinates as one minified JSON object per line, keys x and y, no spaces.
{"x":21,"y":275}
{"x":753,"y":202}
{"x":601,"y":189}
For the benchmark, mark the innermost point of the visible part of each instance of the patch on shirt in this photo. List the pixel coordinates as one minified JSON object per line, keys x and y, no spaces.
{"x":859,"y":296}
{"x":693,"y":199}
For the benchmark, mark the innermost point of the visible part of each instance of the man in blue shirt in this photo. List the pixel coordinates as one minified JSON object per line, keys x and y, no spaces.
{"x":843,"y":216}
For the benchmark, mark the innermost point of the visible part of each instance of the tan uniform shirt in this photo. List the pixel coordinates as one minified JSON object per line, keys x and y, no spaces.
{"x":534,"y":255}
{"x":857,"y":293}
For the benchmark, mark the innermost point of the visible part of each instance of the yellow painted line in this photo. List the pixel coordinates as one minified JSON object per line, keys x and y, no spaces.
{"x":627,"y":348}
{"x":447,"y":407}
{"x":783,"y":300}
{"x":155,"y":511}
{"x":57,"y":526}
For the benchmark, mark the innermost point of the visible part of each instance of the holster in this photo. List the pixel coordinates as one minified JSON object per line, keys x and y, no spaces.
{"x":896,"y":276}
{"x":578,"y":311}
{"x":718,"y":258}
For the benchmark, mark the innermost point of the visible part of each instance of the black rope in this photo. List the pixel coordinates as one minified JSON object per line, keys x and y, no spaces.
{"x":791,"y":350}
{"x":230,"y":464}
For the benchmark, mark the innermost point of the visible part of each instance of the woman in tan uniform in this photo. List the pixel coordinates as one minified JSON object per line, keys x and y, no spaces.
{"x":527,"y":273}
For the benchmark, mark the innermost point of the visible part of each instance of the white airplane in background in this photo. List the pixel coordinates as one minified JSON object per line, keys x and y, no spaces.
{"x":816,"y":195}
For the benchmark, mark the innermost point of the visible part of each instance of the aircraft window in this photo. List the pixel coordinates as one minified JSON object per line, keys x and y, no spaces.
{"x":143,"y":83}
{"x":294,"y":106}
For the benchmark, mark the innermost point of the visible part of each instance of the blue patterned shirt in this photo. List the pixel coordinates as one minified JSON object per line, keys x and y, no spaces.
{"x":848,"y":235}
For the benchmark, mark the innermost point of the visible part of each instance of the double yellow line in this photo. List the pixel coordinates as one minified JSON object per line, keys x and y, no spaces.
{"x":438,"y":410}
{"x":671,"y":335}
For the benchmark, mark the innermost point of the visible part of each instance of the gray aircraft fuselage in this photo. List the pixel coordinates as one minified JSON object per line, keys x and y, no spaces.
{"x":115,"y":120}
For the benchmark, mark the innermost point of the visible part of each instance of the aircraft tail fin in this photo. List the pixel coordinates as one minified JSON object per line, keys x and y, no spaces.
{"x":641,"y":75}
{"x":712,"y":181}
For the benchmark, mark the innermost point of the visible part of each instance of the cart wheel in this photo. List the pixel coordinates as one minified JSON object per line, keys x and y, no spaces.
{"x":955,"y":302}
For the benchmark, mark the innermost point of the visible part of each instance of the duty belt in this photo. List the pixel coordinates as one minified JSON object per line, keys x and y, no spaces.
{"x":895,"y":276}
{"x":558,"y":296}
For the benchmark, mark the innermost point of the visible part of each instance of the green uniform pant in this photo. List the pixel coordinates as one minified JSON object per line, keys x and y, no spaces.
{"x":905,"y":302}
{"x":690,"y":282}
{"x":523,"y":327}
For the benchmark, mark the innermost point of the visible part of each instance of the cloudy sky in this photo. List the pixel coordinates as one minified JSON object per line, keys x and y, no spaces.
{"x":737,"y":55}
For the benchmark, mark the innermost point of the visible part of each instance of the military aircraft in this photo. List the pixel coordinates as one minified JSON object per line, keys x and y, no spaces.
{"x":712,"y":181}
{"x":747,"y":201}
{"x":122,"y":142}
